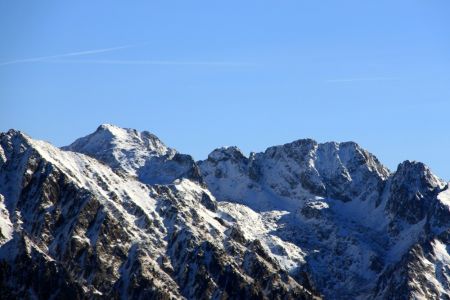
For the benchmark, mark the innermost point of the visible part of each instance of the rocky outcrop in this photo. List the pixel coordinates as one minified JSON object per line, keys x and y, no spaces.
{"x":412,"y":193}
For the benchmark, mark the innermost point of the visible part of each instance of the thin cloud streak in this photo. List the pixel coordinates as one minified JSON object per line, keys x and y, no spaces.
{"x":363,"y":79}
{"x":70,"y":54}
{"x":151,"y":62}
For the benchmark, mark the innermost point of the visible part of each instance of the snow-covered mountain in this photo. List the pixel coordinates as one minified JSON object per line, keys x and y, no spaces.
{"x":117,"y":214}
{"x":140,"y":154}
{"x":359,"y":226}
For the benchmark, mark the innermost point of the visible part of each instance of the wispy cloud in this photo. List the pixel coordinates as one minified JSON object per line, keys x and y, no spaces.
{"x":362,"y":79}
{"x":64,"y":55}
{"x":148,"y":62}
{"x":66,"y":58}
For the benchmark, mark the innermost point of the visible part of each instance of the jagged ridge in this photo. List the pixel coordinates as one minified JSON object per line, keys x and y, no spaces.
{"x":89,"y":232}
{"x":137,"y":219}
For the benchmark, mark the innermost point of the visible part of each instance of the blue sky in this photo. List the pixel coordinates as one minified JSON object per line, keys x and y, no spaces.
{"x":202,"y":74}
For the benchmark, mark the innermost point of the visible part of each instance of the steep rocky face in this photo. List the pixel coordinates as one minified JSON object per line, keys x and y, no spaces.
{"x":422,"y":273}
{"x":353,"y":220}
{"x":74,"y":228}
{"x":214,"y":262}
{"x":298,"y":170}
{"x":74,"y":216}
{"x":418,"y":209}
{"x":412,"y":192}
{"x":140,"y":154}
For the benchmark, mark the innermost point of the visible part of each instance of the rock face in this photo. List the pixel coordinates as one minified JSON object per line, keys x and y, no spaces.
{"x":363,"y":231}
{"x":297,"y":171}
{"x":117,"y":214}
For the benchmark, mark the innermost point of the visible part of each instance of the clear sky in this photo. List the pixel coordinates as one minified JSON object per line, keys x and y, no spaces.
{"x":203,"y":74}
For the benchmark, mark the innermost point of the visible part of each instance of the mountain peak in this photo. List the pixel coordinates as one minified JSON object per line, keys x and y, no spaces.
{"x":121,"y":148}
{"x":12,"y":139}
{"x":418,"y":174}
{"x":107,"y":126}
{"x":140,"y":154}
{"x":128,"y":137}
{"x":413,"y":191}
{"x":225,"y":153}
{"x":13,"y":133}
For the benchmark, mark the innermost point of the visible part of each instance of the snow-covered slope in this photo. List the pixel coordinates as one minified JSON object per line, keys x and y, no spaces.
{"x":352,"y":219}
{"x":74,"y":228}
{"x":117,"y":214}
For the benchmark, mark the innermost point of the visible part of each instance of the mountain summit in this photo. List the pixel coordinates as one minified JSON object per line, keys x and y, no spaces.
{"x":118,"y":214}
{"x":140,"y":154}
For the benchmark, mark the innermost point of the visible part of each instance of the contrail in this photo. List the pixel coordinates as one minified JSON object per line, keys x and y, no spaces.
{"x":148,"y":62}
{"x":363,"y":79}
{"x":70,"y":54}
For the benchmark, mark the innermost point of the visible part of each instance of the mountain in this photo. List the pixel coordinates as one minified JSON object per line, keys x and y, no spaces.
{"x":140,"y":154}
{"x":357,"y":223}
{"x":72,"y":227}
{"x":118,"y":214}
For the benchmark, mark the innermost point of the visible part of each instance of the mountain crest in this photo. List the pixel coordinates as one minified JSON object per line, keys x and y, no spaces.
{"x":118,"y":214}
{"x":140,"y":154}
{"x":225,"y":153}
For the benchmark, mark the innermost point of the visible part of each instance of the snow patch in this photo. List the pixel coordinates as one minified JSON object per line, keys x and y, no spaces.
{"x":444,"y":197}
{"x":6,"y":227}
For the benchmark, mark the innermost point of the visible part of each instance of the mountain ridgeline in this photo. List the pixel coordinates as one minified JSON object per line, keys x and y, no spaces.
{"x":119,"y":215}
